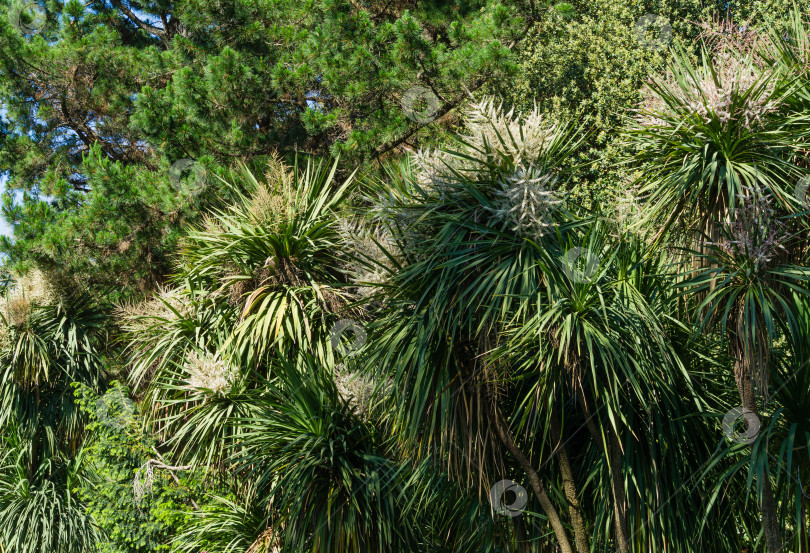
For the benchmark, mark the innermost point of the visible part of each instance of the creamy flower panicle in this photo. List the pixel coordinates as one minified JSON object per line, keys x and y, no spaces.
{"x":374,"y":246}
{"x":28,"y":291}
{"x":737,"y":92}
{"x":208,"y":373}
{"x":524,"y":194}
{"x":755,"y":233}
{"x":526,"y":203}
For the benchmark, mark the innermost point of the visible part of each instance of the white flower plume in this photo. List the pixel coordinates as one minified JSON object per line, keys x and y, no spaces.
{"x":738,"y":91}
{"x":208,"y":372}
{"x":525,"y":203}
{"x":493,"y":137}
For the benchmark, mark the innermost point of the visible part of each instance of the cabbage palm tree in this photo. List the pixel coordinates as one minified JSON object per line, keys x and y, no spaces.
{"x":275,"y":256}
{"x":709,"y":134}
{"x":463,"y":221}
{"x":318,"y":472}
{"x":173,"y":337}
{"x":261,"y":278}
{"x":41,"y":512}
{"x":597,"y":354}
{"x":49,"y":343}
{"x":759,"y":299}
{"x":711,"y":144}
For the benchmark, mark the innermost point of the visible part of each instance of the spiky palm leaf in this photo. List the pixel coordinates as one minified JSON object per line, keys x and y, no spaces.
{"x":318,"y":467}
{"x":713,"y":132}
{"x":276,"y":257}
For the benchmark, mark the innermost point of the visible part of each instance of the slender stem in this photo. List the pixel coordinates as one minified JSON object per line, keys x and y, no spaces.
{"x":522,"y":538}
{"x":768,"y":506}
{"x":619,"y":497}
{"x":569,"y":485}
{"x":612,"y":451}
{"x":546,"y":504}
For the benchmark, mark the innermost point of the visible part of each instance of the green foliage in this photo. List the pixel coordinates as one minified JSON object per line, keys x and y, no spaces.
{"x":100,"y":103}
{"x":712,"y":157}
{"x":507,"y":323}
{"x":115,"y":453}
{"x":322,"y":467}
{"x":593,"y":66}
{"x":48,"y":344}
{"x":263,"y":276}
{"x":41,"y":510}
{"x":275,"y":257}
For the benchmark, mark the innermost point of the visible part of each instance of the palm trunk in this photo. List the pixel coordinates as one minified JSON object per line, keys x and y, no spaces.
{"x":569,"y":486}
{"x":805,"y":543}
{"x":619,"y":497}
{"x":505,"y":435}
{"x":770,"y":521}
{"x":522,"y":538}
{"x":34,"y":464}
{"x":612,"y":451}
{"x":768,"y":506}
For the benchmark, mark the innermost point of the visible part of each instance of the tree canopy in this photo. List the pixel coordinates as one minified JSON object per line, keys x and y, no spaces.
{"x":343,"y":276}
